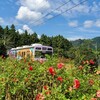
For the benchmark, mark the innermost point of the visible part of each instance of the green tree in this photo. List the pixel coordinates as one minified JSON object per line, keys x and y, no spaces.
{"x":44,"y":39}
{"x":6,"y":30}
{"x":25,"y":38}
{"x":61,"y":45}
{"x":34,"y":38}
{"x":1,"y":31}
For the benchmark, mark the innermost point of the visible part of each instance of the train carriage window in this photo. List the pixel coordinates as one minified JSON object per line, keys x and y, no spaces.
{"x":49,"y":48}
{"x":44,"y":48}
{"x":38,"y":48}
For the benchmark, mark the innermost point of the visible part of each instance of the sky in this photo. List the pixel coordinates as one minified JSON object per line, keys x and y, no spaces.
{"x":73,"y":19}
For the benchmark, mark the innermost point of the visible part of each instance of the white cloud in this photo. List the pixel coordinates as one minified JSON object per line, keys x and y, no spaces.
{"x":82,"y":9}
{"x":73,"y":23}
{"x":20,"y":31}
{"x":1,"y":20}
{"x":26,"y":14}
{"x":32,"y":10}
{"x":88,"y":23}
{"x":97,"y":23}
{"x":49,"y":16}
{"x":39,"y":36}
{"x":36,"y":5}
{"x":26,"y":27}
{"x":88,"y":30}
{"x":72,"y":38}
{"x":95,"y":6}
{"x":71,"y":10}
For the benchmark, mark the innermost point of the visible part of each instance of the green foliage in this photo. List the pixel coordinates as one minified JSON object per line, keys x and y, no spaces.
{"x":61,"y":45}
{"x":92,"y":43}
{"x":2,"y":50}
{"x":83,"y":55}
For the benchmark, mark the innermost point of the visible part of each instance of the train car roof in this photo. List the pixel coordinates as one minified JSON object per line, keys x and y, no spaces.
{"x":29,"y":46}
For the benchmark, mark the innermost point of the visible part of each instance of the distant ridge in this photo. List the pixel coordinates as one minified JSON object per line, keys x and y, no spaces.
{"x":95,"y":41}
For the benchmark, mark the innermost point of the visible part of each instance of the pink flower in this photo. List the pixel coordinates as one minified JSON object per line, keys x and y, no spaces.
{"x":80,"y":67}
{"x":60,"y":65}
{"x":60,"y":79}
{"x":41,"y":61}
{"x":48,"y":92}
{"x":76,"y":84}
{"x":93,"y":98}
{"x":87,"y":61}
{"x":98,"y":93}
{"x":52,"y":71}
{"x":91,"y":82}
{"x":39,"y":96}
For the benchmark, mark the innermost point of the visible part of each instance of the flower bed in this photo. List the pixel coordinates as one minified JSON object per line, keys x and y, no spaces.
{"x":49,"y":80}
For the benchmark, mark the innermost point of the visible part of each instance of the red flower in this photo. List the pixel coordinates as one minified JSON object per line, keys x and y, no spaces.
{"x":45,"y":87}
{"x":60,"y":65}
{"x":92,"y":62}
{"x":60,"y":79}
{"x":30,"y":68}
{"x":52,"y":71}
{"x":76,"y":84}
{"x":39,"y":96}
{"x":98,"y":93}
{"x":91,"y":82}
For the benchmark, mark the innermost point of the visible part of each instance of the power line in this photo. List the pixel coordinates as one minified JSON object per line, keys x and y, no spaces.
{"x":63,"y":11}
{"x":52,"y":11}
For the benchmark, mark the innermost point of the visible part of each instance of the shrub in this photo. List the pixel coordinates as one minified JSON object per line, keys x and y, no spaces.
{"x":28,"y":80}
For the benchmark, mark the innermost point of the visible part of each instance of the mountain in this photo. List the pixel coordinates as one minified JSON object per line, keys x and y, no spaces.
{"x":94,"y":41}
{"x":77,"y":42}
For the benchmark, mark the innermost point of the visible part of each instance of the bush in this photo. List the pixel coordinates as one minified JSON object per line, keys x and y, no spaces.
{"x":84,"y":57}
{"x":39,"y":80}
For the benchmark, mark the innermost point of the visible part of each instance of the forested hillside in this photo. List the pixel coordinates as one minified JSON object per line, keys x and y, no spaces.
{"x":94,"y":42}
{"x":11,"y":38}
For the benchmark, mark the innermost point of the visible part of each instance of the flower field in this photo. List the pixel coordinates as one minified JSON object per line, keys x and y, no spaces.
{"x":48,"y":80}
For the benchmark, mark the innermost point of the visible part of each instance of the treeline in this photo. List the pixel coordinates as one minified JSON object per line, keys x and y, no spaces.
{"x":11,"y":38}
